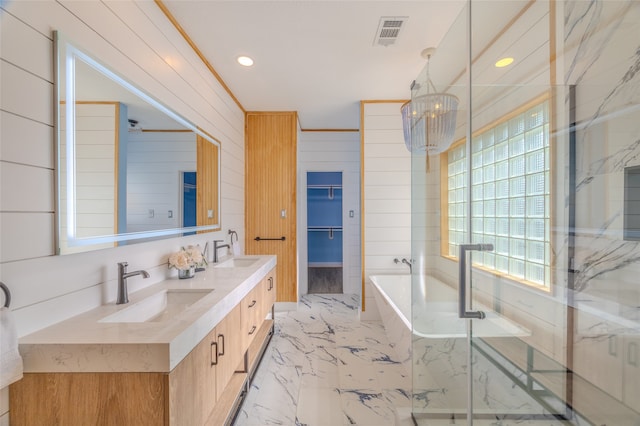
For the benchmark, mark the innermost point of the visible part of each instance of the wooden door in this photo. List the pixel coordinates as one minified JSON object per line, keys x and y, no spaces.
{"x":207,"y":183}
{"x":270,"y":194}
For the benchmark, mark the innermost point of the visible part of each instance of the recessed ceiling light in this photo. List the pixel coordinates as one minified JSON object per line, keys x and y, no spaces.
{"x":504,"y":62}
{"x":245,"y":61}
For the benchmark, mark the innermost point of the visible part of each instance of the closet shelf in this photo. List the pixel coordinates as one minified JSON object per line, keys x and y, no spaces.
{"x":324,"y":186}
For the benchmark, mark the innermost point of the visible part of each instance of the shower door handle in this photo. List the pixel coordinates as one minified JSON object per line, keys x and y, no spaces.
{"x":462,"y":280}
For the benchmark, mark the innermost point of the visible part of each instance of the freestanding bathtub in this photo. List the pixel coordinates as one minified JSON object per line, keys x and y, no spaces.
{"x":433,"y":347}
{"x":435,"y":314}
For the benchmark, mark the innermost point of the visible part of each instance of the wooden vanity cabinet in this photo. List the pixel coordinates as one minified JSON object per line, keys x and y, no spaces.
{"x":203,"y":389}
{"x":192,"y":384}
{"x":199,"y":381}
{"x":257,"y":305}
{"x":60,"y":399}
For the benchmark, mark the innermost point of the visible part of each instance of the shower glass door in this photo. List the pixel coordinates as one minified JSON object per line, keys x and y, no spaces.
{"x":440,"y":223}
{"x":516,"y":135}
{"x":489,"y":315}
{"x":524,"y":222}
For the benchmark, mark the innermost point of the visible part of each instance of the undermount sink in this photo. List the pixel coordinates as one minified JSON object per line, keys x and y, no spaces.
{"x":159,"y":307}
{"x":238,"y":262}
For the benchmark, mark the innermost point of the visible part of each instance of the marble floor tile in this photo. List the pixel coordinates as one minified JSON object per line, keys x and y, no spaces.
{"x":324,"y":367}
{"x":358,"y":375}
{"x":320,"y":368}
{"x":367,"y":407}
{"x":320,"y":407}
{"x":272,"y":397}
{"x":392,"y":376}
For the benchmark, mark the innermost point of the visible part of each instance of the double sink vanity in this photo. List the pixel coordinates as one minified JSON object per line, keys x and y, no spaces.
{"x":181,"y":352}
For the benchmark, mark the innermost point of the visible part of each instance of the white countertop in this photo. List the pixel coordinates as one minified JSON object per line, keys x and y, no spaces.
{"x":83,"y":344}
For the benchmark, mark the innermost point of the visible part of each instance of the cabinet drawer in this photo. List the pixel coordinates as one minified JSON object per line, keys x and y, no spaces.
{"x":251,"y":311}
{"x":268,"y":293}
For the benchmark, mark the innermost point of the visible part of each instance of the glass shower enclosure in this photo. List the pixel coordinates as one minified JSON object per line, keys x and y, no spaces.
{"x":526,"y":218}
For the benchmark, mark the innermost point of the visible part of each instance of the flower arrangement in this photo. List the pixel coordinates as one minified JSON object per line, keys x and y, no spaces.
{"x":186,"y":258}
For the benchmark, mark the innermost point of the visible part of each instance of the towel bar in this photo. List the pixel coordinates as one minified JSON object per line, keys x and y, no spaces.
{"x":7,"y":294}
{"x":270,"y":239}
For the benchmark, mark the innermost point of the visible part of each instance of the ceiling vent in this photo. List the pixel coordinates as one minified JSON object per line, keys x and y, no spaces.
{"x":389,"y":29}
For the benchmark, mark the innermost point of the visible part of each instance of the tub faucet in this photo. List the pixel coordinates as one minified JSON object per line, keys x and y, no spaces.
{"x":409,"y":263}
{"x":123,"y":293}
{"x":217,"y":246}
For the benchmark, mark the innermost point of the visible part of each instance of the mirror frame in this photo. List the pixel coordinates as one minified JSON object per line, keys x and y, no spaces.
{"x":65,"y":55}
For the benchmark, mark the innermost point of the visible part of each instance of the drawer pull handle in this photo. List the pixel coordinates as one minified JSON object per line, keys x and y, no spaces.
{"x":613,"y":345}
{"x":221,"y":336}
{"x":253,"y":302}
{"x":632,"y":354}
{"x":253,"y":330}
{"x":214,"y":351}
{"x":270,"y":283}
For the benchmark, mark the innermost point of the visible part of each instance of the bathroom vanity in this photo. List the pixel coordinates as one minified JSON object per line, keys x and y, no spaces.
{"x":180,"y":353}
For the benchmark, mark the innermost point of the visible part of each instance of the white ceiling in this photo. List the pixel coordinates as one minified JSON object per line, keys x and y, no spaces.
{"x":316,"y":57}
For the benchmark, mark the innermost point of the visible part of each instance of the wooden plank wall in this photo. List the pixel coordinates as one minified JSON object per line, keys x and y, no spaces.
{"x":132,"y":38}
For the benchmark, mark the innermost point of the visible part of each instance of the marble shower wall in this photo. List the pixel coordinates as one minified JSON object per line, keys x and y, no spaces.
{"x":602,"y":58}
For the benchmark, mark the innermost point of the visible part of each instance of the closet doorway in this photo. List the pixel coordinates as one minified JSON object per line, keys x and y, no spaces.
{"x":324,"y":232}
{"x":188,"y":205}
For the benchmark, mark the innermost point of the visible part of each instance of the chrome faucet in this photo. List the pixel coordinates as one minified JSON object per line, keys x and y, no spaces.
{"x":408,"y":262}
{"x":216,"y":247}
{"x":123,"y":294}
{"x":405,"y":261}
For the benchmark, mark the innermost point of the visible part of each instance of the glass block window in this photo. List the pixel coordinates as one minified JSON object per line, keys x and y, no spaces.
{"x":509,"y":196}
{"x":457,"y":195}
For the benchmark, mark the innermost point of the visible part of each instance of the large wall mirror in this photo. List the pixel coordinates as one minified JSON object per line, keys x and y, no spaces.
{"x":129,"y":168}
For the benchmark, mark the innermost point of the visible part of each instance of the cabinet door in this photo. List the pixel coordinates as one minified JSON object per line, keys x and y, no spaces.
{"x":230,"y":349}
{"x":192,"y":384}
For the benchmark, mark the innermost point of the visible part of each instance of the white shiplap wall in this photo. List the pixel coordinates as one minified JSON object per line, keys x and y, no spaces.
{"x":96,"y":146}
{"x":155,"y":163}
{"x":132,"y":38}
{"x":332,"y":152}
{"x":387,"y":195}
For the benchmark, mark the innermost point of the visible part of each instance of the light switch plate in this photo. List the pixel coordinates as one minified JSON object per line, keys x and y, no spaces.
{"x":210,"y":214}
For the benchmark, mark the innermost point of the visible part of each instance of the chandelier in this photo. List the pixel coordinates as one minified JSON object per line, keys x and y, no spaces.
{"x":429,"y":121}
